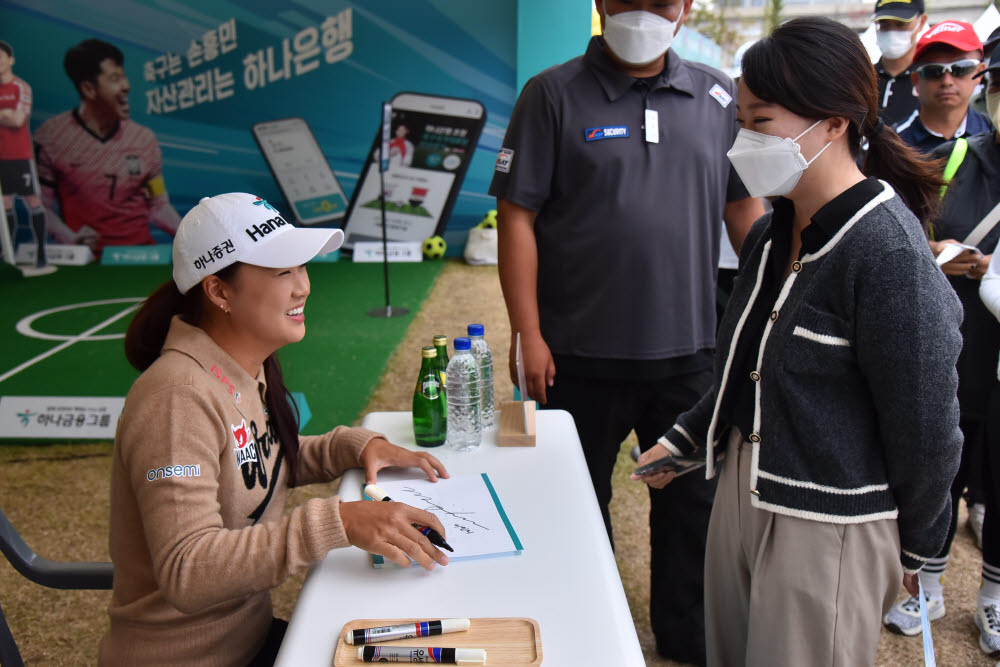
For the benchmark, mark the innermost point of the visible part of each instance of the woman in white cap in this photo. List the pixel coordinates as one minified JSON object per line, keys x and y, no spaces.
{"x":207,"y":448}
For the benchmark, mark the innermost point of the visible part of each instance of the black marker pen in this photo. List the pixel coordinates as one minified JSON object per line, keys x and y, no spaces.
{"x":435,"y":537}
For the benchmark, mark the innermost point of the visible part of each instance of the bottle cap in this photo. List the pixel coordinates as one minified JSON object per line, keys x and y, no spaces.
{"x":429,"y":352}
{"x":476,"y":329}
{"x":462,"y":343}
{"x":440,"y":339}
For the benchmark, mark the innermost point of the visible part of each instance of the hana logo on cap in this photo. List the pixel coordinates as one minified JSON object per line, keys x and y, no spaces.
{"x":240,"y":227}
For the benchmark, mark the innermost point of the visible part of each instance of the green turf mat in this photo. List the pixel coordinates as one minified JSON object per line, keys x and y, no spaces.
{"x":336,"y":366}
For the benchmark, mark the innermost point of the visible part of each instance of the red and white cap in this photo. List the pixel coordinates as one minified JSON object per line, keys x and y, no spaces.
{"x":240,"y":227}
{"x":957,"y":34}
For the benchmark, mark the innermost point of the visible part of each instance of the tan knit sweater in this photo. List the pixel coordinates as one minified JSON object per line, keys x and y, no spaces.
{"x":198,"y":489}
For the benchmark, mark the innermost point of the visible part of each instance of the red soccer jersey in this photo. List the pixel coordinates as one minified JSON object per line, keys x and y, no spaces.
{"x":100,"y":182}
{"x":15,"y":142}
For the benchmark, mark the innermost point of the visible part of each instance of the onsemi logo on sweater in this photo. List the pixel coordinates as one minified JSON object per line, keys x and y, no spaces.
{"x":246,"y":448}
{"x":185,"y":470}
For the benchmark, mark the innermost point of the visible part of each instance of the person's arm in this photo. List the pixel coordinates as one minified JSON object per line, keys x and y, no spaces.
{"x":191,"y":549}
{"x":740,"y":216}
{"x":908,"y":355}
{"x":19,"y":115}
{"x":325,"y":457}
{"x":163,"y":215}
{"x":989,"y":288}
{"x":13,"y":117}
{"x":518,"y":268}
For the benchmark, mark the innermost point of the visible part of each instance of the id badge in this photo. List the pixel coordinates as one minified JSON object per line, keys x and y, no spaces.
{"x":652,"y":126}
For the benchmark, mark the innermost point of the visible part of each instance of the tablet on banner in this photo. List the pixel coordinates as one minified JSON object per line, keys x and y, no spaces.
{"x":60,"y":417}
{"x":475,"y":522}
{"x":431,"y":143}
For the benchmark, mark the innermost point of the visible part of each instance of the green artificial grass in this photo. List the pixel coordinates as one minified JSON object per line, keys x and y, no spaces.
{"x":336,"y":366}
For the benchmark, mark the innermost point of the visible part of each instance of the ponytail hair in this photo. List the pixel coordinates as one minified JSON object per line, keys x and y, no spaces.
{"x":916,"y":178}
{"x":147,"y":332}
{"x":817,"y":68}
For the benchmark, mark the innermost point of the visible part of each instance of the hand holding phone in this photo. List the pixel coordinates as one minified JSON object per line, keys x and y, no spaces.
{"x":679,"y":465}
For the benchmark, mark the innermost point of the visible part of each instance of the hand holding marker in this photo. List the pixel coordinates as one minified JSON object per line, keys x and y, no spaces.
{"x":433,"y":536}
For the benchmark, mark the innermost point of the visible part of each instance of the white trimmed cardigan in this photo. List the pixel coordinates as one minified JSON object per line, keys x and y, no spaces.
{"x":856,"y":414}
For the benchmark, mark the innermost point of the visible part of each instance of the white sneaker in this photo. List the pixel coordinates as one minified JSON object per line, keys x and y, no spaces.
{"x":976,"y":513}
{"x":904,"y":618}
{"x":987,"y":619}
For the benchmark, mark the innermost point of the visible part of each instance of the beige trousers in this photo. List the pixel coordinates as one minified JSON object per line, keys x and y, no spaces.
{"x":780,"y":590}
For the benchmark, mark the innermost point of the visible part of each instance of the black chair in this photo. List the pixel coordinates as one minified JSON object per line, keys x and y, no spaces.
{"x":52,"y":574}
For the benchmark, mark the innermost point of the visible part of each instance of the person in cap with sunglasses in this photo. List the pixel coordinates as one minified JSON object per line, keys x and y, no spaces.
{"x":207,"y":448}
{"x":946,"y":59}
{"x":898,"y":26}
{"x":973,"y":193}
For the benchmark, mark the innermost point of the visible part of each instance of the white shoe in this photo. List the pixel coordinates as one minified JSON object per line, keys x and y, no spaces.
{"x":977,"y":511}
{"x":904,"y":618}
{"x":987,"y":620}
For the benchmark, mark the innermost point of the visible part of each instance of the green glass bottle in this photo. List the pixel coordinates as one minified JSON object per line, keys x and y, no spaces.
{"x":429,"y":409}
{"x":441,"y":345}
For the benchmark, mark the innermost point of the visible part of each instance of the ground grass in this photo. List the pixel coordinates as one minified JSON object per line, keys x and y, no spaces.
{"x":57,"y":496}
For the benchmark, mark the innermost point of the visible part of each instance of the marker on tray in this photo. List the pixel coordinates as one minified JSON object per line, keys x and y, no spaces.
{"x":435,"y":537}
{"x":451,"y":656}
{"x":406,"y":630}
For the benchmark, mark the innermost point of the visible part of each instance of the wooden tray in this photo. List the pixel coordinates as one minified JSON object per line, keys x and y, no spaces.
{"x":508,"y":641}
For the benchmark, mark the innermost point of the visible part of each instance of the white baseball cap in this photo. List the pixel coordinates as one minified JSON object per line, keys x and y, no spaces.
{"x":240,"y":227}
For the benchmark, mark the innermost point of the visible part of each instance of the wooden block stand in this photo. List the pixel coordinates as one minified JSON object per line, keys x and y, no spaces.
{"x":512,"y":427}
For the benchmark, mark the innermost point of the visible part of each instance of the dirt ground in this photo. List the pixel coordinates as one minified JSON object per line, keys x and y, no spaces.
{"x":57,"y":497}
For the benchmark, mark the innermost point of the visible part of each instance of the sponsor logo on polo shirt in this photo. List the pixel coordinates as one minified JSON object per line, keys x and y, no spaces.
{"x":184,"y":470}
{"x":608,"y":132}
{"x":504,"y":160}
{"x":246,"y":449}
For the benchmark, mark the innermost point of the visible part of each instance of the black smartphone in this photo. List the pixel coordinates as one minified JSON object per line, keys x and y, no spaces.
{"x":670,"y":463}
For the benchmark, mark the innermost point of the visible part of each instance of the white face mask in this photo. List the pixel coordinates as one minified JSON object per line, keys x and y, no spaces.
{"x":993,"y":106}
{"x":769,"y":166}
{"x":894,"y":43}
{"x":638,"y":37}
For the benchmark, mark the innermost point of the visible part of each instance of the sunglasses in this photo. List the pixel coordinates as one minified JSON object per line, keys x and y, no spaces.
{"x":958,"y":69}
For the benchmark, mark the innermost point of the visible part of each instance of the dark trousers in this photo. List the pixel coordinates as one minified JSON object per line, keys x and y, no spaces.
{"x":972,"y":454}
{"x":991,"y":482}
{"x":605,"y":412}
{"x":269,"y":651}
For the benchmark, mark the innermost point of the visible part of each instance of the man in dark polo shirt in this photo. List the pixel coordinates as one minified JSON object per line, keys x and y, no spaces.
{"x":611,"y":183}
{"x":898,"y":24}
{"x":947,"y":58}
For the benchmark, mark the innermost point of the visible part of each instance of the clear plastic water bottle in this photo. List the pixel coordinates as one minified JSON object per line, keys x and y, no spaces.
{"x":484,"y":355}
{"x":464,"y":428}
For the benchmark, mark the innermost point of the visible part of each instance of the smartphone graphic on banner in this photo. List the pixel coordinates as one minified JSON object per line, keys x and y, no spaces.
{"x":301,"y":170}
{"x":431,"y":142}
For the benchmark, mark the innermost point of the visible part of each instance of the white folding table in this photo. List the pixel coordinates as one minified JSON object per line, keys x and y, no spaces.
{"x":565,"y":578}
